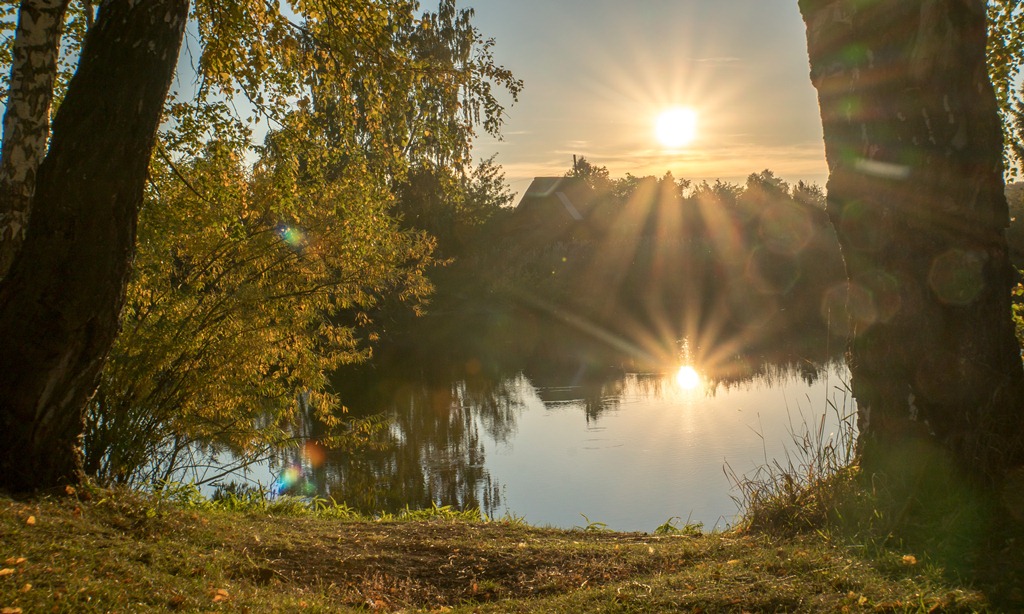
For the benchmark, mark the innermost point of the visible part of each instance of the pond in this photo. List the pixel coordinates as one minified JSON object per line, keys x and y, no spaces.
{"x":574,"y":432}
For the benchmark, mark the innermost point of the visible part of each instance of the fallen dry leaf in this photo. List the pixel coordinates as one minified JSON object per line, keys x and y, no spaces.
{"x":69,"y":490}
{"x":25,"y":588}
{"x":31,"y":521}
{"x":909,"y":559}
{"x":10,"y":611}
{"x":15,"y":561}
{"x":219,"y":595}
{"x":6,"y":571}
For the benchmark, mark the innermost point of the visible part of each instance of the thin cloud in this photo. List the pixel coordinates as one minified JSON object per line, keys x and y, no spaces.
{"x":718,"y":60}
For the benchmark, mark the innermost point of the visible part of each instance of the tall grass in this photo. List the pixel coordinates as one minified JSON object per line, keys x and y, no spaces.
{"x":816,"y":480}
{"x":915,"y":503}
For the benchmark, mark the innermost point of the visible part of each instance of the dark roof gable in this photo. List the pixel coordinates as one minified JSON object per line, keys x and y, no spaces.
{"x":557,"y":197}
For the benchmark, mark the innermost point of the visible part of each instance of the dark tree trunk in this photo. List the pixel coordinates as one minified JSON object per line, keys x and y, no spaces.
{"x":914,"y":148}
{"x":27,"y":118}
{"x":60,"y":301}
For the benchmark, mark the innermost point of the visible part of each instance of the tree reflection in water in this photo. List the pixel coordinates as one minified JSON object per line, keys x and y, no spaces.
{"x":443,"y":414}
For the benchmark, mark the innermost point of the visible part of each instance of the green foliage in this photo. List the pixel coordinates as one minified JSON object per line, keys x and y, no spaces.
{"x":434,"y":512}
{"x":257,"y":500}
{"x":485,"y":195}
{"x":809,"y":194}
{"x":692,"y":529}
{"x":720,"y":193}
{"x":592,"y":526}
{"x":391,"y":83}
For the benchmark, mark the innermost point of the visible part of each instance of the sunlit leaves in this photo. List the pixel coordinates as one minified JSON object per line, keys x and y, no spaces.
{"x":248,"y":47}
{"x":1005,"y":56}
{"x":8,"y":22}
{"x":1005,"y":47}
{"x":259,"y":265}
{"x":241,"y":306}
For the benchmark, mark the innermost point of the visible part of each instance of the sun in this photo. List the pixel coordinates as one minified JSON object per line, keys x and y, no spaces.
{"x":676,"y":127}
{"x":688,"y":378}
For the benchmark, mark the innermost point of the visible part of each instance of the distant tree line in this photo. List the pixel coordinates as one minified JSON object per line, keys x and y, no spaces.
{"x":669,"y":257}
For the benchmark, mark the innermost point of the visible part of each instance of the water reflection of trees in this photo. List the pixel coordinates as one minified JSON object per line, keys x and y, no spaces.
{"x":769,"y":374}
{"x":433,"y":450}
{"x":444,"y":413}
{"x":602,"y":391}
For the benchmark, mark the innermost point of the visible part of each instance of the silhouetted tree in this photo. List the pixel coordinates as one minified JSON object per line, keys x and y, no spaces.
{"x":596,"y":176}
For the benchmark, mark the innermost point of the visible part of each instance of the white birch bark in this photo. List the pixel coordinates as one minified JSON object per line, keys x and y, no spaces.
{"x":26,"y":126}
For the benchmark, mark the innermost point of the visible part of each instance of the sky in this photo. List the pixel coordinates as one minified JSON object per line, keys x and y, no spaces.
{"x":597,"y":73}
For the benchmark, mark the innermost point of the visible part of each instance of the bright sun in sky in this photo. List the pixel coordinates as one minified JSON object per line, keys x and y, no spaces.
{"x":676,"y":127}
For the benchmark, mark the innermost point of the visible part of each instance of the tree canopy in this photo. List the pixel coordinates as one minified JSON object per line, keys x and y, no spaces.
{"x":268,"y":230}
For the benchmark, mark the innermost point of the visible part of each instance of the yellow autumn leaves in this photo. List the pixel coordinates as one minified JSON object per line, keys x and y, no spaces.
{"x":10,"y":568}
{"x":261,"y":266}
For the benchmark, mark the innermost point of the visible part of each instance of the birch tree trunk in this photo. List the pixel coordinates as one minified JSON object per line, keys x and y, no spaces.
{"x":914,"y":149}
{"x":61,"y":299}
{"x":26,"y":126}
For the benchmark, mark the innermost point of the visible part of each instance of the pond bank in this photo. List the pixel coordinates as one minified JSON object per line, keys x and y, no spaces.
{"x":101,"y":551}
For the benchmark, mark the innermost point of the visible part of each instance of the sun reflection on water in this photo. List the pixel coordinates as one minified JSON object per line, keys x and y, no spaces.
{"x":688,"y":378}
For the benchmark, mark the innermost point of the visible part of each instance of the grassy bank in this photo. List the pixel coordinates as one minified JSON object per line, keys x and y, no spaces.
{"x":99,"y":551}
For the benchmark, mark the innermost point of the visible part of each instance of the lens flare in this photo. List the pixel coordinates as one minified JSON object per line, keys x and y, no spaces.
{"x":289,"y":477}
{"x":957,"y":276}
{"x":294,"y":237}
{"x":314,"y":453}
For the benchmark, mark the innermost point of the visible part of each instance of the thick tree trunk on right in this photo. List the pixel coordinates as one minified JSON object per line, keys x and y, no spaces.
{"x":61,"y":300}
{"x":914,"y":148}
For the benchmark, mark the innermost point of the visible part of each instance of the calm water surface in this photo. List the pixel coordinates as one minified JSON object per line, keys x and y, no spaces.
{"x":558,"y":442}
{"x":657,"y":451}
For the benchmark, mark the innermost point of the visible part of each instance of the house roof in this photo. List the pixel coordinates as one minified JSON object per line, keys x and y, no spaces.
{"x":569,"y":195}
